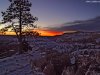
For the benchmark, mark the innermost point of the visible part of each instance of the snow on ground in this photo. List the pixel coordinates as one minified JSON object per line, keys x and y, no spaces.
{"x":18,"y":64}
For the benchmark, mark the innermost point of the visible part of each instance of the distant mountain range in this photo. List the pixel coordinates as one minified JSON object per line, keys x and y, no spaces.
{"x":86,"y":25}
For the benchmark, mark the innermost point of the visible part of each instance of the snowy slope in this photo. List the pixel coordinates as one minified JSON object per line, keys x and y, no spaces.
{"x":21,"y":64}
{"x":18,"y":64}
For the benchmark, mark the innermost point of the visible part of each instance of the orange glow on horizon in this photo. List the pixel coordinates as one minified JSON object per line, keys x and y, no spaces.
{"x":49,"y":32}
{"x":42,"y":32}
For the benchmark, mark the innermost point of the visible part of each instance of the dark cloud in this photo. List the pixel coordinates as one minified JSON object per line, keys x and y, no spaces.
{"x":86,"y":25}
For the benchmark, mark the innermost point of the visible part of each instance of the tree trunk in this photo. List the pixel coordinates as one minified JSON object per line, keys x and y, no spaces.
{"x":20,"y":32}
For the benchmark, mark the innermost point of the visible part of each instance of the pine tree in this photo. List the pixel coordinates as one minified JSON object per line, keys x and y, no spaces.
{"x":19,"y":11}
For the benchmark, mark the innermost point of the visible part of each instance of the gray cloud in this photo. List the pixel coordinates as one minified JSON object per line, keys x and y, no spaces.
{"x":87,"y":25}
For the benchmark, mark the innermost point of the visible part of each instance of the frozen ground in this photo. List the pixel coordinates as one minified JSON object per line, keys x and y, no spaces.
{"x":21,"y":64}
{"x":18,"y":64}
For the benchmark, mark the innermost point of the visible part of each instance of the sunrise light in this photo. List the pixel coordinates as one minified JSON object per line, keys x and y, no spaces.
{"x":49,"y":33}
{"x":42,"y":33}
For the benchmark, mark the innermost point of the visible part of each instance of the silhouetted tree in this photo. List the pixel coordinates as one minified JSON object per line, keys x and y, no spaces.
{"x":2,"y":31}
{"x":19,"y":11}
{"x":31,"y":33}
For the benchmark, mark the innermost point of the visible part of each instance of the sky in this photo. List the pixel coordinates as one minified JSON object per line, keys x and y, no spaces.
{"x":54,"y":13}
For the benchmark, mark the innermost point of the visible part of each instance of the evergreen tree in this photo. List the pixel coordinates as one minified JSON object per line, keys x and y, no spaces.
{"x":19,"y":11}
